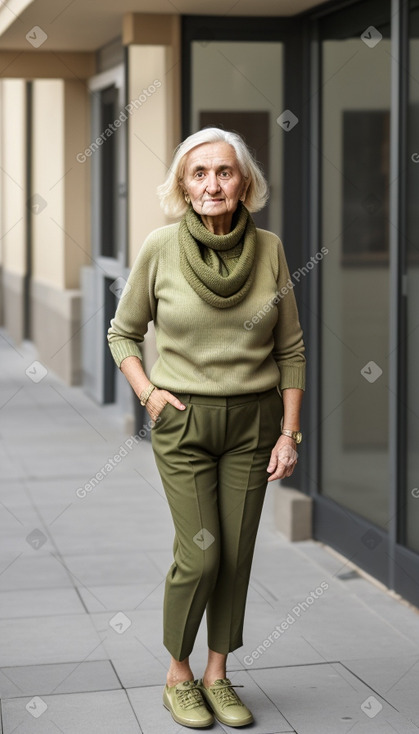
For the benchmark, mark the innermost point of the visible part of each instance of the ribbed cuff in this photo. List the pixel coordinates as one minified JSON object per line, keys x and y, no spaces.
{"x":292,"y":375}
{"x":124,"y":348}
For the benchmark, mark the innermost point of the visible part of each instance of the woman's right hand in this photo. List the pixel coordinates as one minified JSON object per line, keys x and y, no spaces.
{"x":158,"y":399}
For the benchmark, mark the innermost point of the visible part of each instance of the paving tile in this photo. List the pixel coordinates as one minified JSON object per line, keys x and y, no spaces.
{"x":140,"y":631}
{"x":35,"y":570}
{"x":54,"y":639}
{"x":395,"y":678}
{"x":128,"y":596}
{"x":117,"y":527}
{"x":31,"y":680}
{"x":121,"y":487}
{"x":140,"y":668}
{"x":11,"y":471}
{"x":13,"y":492}
{"x":104,"y":569}
{"x":327,"y":699}
{"x":39,"y":602}
{"x":329,"y":625}
{"x":285,"y":571}
{"x":68,"y":461}
{"x":325,"y":626}
{"x":290,"y":648}
{"x":162,"y":558}
{"x":106,"y":712}
{"x":16,"y":524}
{"x":401,"y":616}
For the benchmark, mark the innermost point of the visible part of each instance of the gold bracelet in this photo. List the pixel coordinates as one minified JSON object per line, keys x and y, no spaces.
{"x":144,"y":396}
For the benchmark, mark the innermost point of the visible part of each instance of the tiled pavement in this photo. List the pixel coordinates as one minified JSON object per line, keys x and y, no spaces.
{"x":81,"y":585}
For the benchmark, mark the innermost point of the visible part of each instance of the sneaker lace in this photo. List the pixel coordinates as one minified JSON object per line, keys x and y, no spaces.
{"x":190,"y":697}
{"x":226,"y":695}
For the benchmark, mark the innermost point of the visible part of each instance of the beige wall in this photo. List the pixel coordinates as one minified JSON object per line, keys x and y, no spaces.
{"x":1,"y":181}
{"x":61,"y":237}
{"x":61,"y":229}
{"x":13,"y":194}
{"x":152,"y":136}
{"x":48,"y":181}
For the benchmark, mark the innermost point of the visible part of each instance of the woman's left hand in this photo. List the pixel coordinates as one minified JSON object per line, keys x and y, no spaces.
{"x":283,"y":458}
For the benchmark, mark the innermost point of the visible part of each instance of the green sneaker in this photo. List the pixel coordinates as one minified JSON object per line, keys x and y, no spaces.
{"x":225,"y":703}
{"x":187,"y":705}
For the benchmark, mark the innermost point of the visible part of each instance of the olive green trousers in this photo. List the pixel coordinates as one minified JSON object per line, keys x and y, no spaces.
{"x":212,"y":458}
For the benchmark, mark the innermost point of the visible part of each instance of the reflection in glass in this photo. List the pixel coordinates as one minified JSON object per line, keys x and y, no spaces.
{"x":237,"y":86}
{"x":355,"y":275}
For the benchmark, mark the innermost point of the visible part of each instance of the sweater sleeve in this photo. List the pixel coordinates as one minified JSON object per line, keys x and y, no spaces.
{"x":136,"y":307}
{"x":288,"y":351}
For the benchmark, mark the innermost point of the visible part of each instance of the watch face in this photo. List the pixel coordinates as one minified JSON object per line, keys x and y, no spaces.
{"x":298,"y":437}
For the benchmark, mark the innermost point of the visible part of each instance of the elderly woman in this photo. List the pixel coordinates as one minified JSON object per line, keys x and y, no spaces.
{"x":224,"y":394}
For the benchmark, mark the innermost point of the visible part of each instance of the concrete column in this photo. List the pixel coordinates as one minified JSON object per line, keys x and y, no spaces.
{"x":61,"y":224}
{"x":13,"y":204}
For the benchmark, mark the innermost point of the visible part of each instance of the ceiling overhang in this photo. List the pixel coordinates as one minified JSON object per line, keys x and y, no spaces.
{"x":87,"y":25}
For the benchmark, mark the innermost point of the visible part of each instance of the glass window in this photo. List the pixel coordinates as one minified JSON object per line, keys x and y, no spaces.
{"x":355,"y":273}
{"x":411,"y":503}
{"x":108,"y":174}
{"x":238,"y":86}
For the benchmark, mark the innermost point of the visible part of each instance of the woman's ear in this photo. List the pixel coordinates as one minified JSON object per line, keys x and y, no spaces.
{"x":184,"y":191}
{"x":245,"y":189}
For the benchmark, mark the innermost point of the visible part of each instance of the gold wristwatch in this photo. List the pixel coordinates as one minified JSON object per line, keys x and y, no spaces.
{"x":297,"y":436}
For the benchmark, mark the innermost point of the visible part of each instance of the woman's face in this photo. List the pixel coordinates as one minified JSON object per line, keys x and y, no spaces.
{"x":213,"y":180}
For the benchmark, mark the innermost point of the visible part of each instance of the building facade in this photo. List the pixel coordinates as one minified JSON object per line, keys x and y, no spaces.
{"x":94,"y":100}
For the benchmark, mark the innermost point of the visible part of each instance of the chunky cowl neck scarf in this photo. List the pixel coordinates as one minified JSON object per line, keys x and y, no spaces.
{"x":216,"y":289}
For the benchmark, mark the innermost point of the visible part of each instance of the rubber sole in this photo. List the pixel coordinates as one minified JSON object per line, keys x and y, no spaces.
{"x":184,"y":723}
{"x":229,"y":723}
{"x":226,"y":721}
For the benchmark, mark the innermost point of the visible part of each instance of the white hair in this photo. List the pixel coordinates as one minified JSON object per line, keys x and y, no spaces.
{"x":171,"y":192}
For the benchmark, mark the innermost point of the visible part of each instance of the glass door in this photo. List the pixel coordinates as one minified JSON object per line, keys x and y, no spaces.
{"x":353,"y":508}
{"x":104,"y":280}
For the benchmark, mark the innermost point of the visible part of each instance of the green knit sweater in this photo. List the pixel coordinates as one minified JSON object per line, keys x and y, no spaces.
{"x":250,"y":347}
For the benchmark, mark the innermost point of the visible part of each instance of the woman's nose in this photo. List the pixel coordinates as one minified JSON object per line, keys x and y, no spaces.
{"x":212,"y":183}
